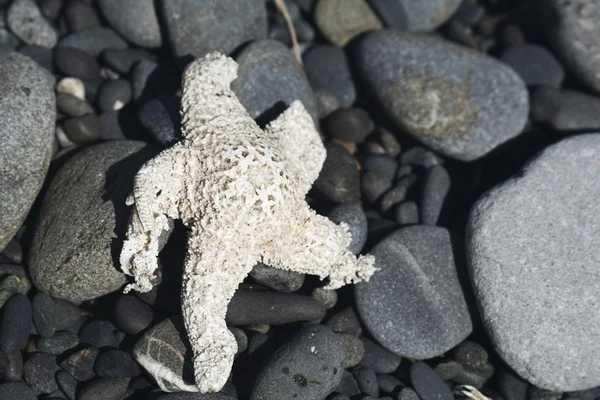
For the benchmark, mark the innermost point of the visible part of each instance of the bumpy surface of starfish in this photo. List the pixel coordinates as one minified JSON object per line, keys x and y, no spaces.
{"x":241,"y":192}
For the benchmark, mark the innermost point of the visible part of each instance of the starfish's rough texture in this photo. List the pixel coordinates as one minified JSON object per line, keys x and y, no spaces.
{"x":241,"y":192}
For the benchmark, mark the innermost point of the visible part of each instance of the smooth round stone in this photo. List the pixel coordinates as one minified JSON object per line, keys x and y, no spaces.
{"x":349,"y":125}
{"x":282,"y":280}
{"x":16,"y":390}
{"x":57,"y":343}
{"x":414,"y":305}
{"x":270,"y":79}
{"x":44,"y":314}
{"x":241,"y":339}
{"x":418,"y":156}
{"x":11,"y":366}
{"x":66,"y":313}
{"x":135,"y":20}
{"x":448,"y":370}
{"x":98,"y":334}
{"x":534,"y":232}
{"x":223,"y":28}
{"x":80,"y":16}
{"x":67,"y":384}
{"x":407,"y":213}
{"x":379,"y":359}
{"x":408,"y":394}
{"x":72,"y":106}
{"x":328,"y":71}
{"x":428,"y":14}
{"x":353,"y":215}
{"x":388,"y":142}
{"x":338,"y":180}
{"x":397,"y":193}
{"x":122,"y":60}
{"x":72,"y":86}
{"x":442,"y":93}
{"x":160,"y":117}
{"x":71,"y":255}
{"x":27,"y":22}
{"x":545,"y":104}
{"x":309,"y":366}
{"x":535,"y":65}
{"x":40,"y":54}
{"x":113,"y":124}
{"x":114,"y":95}
{"x":373,"y":185}
{"x":436,"y":185}
{"x":93,"y":40}
{"x":252,"y":307}
{"x":366,"y":381}
{"x":81,"y":364}
{"x":27,"y":114}
{"x":428,"y":384}
{"x":354,"y":349}
{"x":382,"y":164}
{"x":77,"y":63}
{"x":392,"y":13}
{"x":535,"y":393}
{"x":470,"y":355}
{"x":389,"y":383}
{"x":84,"y":129}
{"x":342,"y":20}
{"x":143,"y":79}
{"x":327,"y":297}
{"x":116,"y":364}
{"x":104,"y":389}
{"x":15,"y":323}
{"x":12,"y":284}
{"x":165,"y":353}
{"x":577,"y":111}
{"x":347,"y":386}
{"x":39,"y":371}
{"x":572,"y":30}
{"x":345,"y":321}
{"x":132,"y":315}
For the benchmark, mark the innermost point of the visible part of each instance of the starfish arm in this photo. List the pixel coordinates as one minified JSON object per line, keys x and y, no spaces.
{"x":155,"y":200}
{"x":300,"y":144}
{"x":312,"y":244}
{"x":213,"y":270}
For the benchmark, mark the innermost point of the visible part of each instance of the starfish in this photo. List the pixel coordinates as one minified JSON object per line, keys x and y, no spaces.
{"x":241,"y":192}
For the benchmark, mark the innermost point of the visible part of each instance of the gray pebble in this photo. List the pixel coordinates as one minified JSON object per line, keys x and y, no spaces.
{"x":353,"y":215}
{"x":84,"y":129}
{"x":392,"y":13}
{"x":535,"y":393}
{"x":135,"y":20}
{"x":66,"y":313}
{"x":408,"y":394}
{"x":8,"y":41}
{"x":345,"y":321}
{"x":545,"y":104}
{"x":347,"y":385}
{"x":132,"y":315}
{"x":436,"y":185}
{"x":448,"y":370}
{"x":39,"y":371}
{"x":80,"y":364}
{"x":241,"y":339}
{"x":114,"y":95}
{"x":80,"y":16}
{"x":382,"y":164}
{"x":104,"y":389}
{"x":15,"y":323}
{"x":577,"y":111}
{"x":414,"y":305}
{"x":93,"y":40}
{"x":349,"y":125}
{"x":116,"y":364}
{"x":388,"y":383}
{"x":16,"y":390}
{"x":72,"y":106}
{"x":469,"y":377}
{"x":27,"y":22}
{"x":428,"y":384}
{"x":282,"y":280}
{"x":397,"y":193}
{"x":373,"y":185}
{"x":121,"y":60}
{"x":407,"y":213}
{"x":428,"y":14}
{"x":98,"y":333}
{"x":354,"y":349}
{"x":195,"y":396}
{"x":341,"y":22}
{"x":76,"y":63}
{"x":388,"y":141}
{"x":338,"y":180}
{"x":511,"y":387}
{"x":379,"y":359}
{"x":44,"y":314}
{"x":419,"y":156}
{"x":470,"y":355}
{"x":11,"y":366}
{"x":535,"y":232}
{"x":40,"y":54}
{"x":112,"y":125}
{"x":327,"y":297}
{"x":160,"y":117}
{"x":58,"y":343}
{"x":535,"y":64}
{"x":67,"y":384}
{"x":366,"y":380}
{"x":442,"y":93}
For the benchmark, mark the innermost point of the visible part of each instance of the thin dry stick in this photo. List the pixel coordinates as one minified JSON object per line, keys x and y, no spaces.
{"x":280,"y":4}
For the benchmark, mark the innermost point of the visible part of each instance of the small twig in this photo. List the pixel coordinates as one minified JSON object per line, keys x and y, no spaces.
{"x":280,"y":4}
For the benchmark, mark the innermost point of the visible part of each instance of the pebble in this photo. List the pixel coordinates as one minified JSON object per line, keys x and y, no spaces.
{"x":135,"y":20}
{"x":27,"y":22}
{"x":8,"y":40}
{"x":392,"y":13}
{"x":13,"y":251}
{"x":80,"y":16}
{"x":388,"y":141}
{"x":39,"y":371}
{"x":535,"y":64}
{"x":347,"y":385}
{"x":15,"y":323}
{"x":327,"y":297}
{"x":309,"y":366}
{"x":66,"y":313}
{"x":353,"y":215}
{"x":373,"y":185}
{"x":67,"y":384}
{"x":263,"y":98}
{"x":366,"y":380}
{"x":510,"y":387}
{"x":76,"y":63}
{"x":441,"y":93}
{"x":12,"y":284}
{"x":98,"y":334}
{"x":113,"y":124}
{"x":58,"y":343}
{"x":354,"y":349}
{"x":577,"y":111}
{"x":470,"y":355}
{"x":282,"y":280}
{"x":144,"y":79}
{"x":72,"y":106}
{"x":81,"y":363}
{"x":407,"y":213}
{"x":537,"y":230}
{"x":397,"y":193}
{"x":63,"y":239}
{"x":382,"y":164}
{"x":545,"y":104}
{"x":160,"y":117}
{"x":448,"y":370}
{"x":132,"y":315}
{"x":16,"y":390}
{"x":425,"y":15}
{"x":535,"y":393}
{"x":436,"y":185}
{"x":328,"y":72}
{"x":349,"y":125}
{"x":418,"y":156}
{"x":414,"y":305}
{"x":469,"y":377}
{"x":241,"y":339}
{"x":11,"y":366}
{"x":72,"y":86}
{"x":341,"y":21}
{"x":161,"y":351}
{"x":379,"y":359}
{"x":408,"y":394}
{"x":104,"y":389}
{"x":339,"y":180}
{"x":93,"y":40}
{"x":114,"y":95}
{"x":345,"y":321}
{"x":222,"y":28}
{"x":116,"y":364}
{"x":40,"y":54}
{"x":27,"y":130}
{"x":251,"y":307}
{"x":84,"y":129}
{"x":428,"y":384}
{"x":44,"y":314}
{"x":388,"y":383}
{"x":572,"y":30}
{"x":122,"y":60}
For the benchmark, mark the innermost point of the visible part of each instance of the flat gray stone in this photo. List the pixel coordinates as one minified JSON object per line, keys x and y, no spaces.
{"x":457,"y":101}
{"x":534,"y":259}
{"x":414,"y":305}
{"x":27,"y":114}
{"x":74,"y":251}
{"x":134,"y":19}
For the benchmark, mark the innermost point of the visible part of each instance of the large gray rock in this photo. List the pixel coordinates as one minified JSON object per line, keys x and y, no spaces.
{"x":573,"y":30}
{"x":414,"y":305}
{"x":27,"y":114}
{"x":534,"y":259}
{"x":455,"y":100}
{"x":75,"y":247}
{"x":198,"y":27}
{"x":27,"y":22}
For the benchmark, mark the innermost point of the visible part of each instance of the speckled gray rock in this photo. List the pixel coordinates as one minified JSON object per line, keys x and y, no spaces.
{"x":342,"y":20}
{"x":354,"y":216}
{"x":426,"y":15}
{"x":134,"y":19}
{"x":414,"y":305}
{"x":307,"y":367}
{"x":82,"y":217}
{"x":573,"y":31}
{"x":533,"y":250}
{"x":282,"y":280}
{"x":457,"y":101}
{"x":27,"y":22}
{"x":93,"y":41}
{"x":198,"y":27}
{"x":27,"y":113}
{"x":577,"y":111}
{"x":268,"y":76}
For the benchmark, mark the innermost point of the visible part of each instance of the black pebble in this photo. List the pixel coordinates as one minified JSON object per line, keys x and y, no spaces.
{"x":104,"y":389}
{"x":366,"y":380}
{"x":121,"y":60}
{"x":420,"y":157}
{"x":241,"y":339}
{"x":67,"y":314}
{"x":160,"y":117}
{"x":67,"y":384}
{"x":58,"y":343}
{"x":114,"y":94}
{"x":81,"y":363}
{"x":339,"y":179}
{"x":436,"y":185}
{"x":77,"y":63}
{"x":379,"y":359}
{"x":15,"y":323}
{"x":72,"y":106}
{"x":392,"y":13}
{"x":428,"y":383}
{"x":98,"y":334}
{"x":87,"y":128}
{"x":39,"y":371}
{"x":44,"y":314}
{"x":373,"y":185}
{"x":345,"y":321}
{"x":40,"y":54}
{"x":51,"y":8}
{"x":388,"y":383}
{"x":11,"y":366}
{"x":81,"y":16}
{"x":349,"y":124}
{"x":16,"y":391}
{"x":116,"y":364}
{"x":510,"y":387}
{"x":545,"y":103}
{"x":407,"y":213}
{"x":132,"y":315}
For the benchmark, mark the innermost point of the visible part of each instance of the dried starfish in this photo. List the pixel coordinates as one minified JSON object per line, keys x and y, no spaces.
{"x":241,"y":192}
